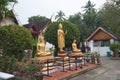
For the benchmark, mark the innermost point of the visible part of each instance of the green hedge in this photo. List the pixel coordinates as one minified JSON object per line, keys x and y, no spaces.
{"x":115,"y":48}
{"x":14,"y":40}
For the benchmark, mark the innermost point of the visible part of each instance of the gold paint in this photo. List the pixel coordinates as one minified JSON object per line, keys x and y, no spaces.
{"x":61,"y":38}
{"x":41,"y":47}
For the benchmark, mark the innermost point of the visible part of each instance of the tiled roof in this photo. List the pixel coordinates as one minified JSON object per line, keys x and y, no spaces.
{"x":39,"y":26}
{"x":104,"y":30}
{"x":14,"y":17}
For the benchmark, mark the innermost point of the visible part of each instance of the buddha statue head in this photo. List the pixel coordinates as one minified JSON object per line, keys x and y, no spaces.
{"x":60,"y":26}
{"x":41,"y":38}
{"x":74,"y":41}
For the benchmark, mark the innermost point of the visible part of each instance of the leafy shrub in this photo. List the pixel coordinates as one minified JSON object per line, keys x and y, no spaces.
{"x":31,"y":67}
{"x":14,"y":40}
{"x":8,"y":64}
{"x":34,"y":48}
{"x":115,"y":48}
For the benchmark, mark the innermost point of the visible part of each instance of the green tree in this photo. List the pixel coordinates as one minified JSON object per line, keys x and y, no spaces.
{"x":60,"y":16}
{"x":110,"y":16}
{"x":77,"y":20}
{"x":89,"y":17}
{"x":4,"y":11}
{"x":72,"y":32}
{"x":37,"y":18}
{"x":14,"y":40}
{"x":89,"y":8}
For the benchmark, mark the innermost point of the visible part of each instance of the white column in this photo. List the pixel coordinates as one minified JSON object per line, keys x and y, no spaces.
{"x":112,"y":41}
{"x":91,"y":44}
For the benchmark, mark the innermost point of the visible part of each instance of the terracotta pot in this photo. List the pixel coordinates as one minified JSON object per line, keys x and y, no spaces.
{"x":87,"y":60}
{"x":31,"y":77}
{"x":98,"y":61}
{"x":39,"y":77}
{"x":93,"y":61}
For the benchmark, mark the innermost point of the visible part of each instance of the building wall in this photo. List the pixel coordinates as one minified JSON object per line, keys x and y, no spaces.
{"x":102,"y":50}
{"x":48,"y":46}
{"x":6,"y":22}
{"x":100,"y":40}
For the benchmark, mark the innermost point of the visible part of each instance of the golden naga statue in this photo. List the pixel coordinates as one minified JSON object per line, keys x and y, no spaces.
{"x":41,"y":47}
{"x":74,"y":47}
{"x":61,"y":38}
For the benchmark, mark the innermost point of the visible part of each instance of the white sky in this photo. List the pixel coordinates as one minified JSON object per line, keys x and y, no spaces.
{"x":28,"y":8}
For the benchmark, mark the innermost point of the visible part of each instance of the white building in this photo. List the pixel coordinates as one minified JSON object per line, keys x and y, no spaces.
{"x":100,"y":40}
{"x":12,"y":19}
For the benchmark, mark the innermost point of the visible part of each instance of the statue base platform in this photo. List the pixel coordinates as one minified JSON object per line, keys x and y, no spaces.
{"x":77,"y":54}
{"x":51,"y":70}
{"x":62,"y":63}
{"x":45,"y":58}
{"x":62,"y":54}
{"x":48,"y":62}
{"x":38,"y":55}
{"x":77,"y":51}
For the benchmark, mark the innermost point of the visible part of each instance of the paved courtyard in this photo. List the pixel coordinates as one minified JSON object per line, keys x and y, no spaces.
{"x":110,"y":70}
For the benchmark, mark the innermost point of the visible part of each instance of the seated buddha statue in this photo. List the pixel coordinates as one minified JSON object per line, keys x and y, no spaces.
{"x":74,"y":47}
{"x":41,"y":47}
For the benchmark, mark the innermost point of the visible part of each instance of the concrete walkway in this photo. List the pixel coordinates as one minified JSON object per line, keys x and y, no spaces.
{"x":110,"y":70}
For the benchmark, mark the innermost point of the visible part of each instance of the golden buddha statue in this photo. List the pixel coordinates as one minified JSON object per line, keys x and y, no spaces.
{"x":75,"y":49}
{"x":61,"y":38}
{"x":61,"y":41}
{"x":41,"y":47}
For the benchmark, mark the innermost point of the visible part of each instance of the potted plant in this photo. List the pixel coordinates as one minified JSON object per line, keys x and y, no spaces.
{"x":29,"y":70}
{"x":115,"y":49}
{"x":22,"y":69}
{"x":93,"y":58}
{"x":38,"y":70}
{"x":33,"y":69}
{"x":39,"y":76}
{"x":87,"y":58}
{"x":97,"y":56}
